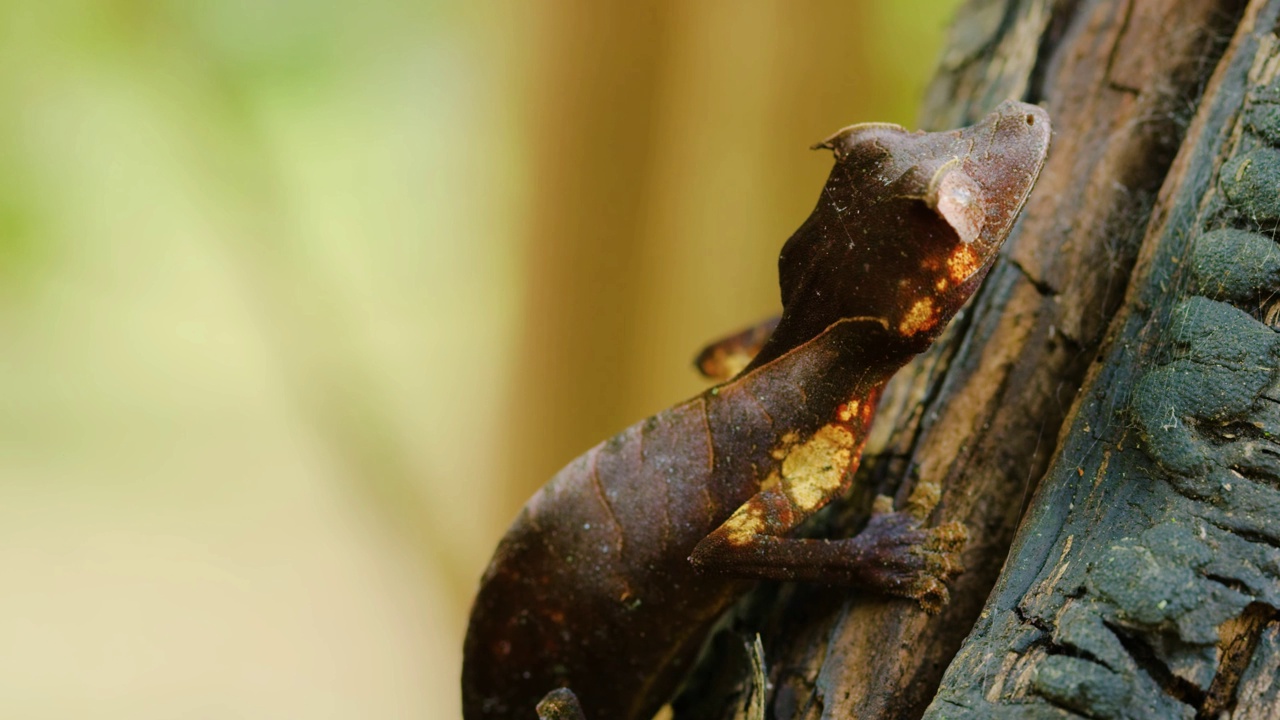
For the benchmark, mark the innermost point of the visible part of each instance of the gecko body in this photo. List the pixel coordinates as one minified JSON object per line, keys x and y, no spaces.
{"x":612,"y":573}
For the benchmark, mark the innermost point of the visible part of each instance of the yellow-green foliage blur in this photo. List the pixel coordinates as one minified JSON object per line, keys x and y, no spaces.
{"x":300,"y":300}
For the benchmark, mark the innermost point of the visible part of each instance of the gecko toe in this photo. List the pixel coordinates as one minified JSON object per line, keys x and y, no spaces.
{"x":949,"y":537}
{"x":931,"y":594}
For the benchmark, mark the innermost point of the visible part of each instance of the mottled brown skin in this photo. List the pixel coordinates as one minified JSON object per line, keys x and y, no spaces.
{"x":610,"y":576}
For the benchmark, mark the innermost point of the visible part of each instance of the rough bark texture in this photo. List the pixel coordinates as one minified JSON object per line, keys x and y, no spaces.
{"x":1145,"y":580}
{"x":1122,"y":353}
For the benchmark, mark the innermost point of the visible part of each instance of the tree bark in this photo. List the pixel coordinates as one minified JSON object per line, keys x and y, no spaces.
{"x":1125,"y":352}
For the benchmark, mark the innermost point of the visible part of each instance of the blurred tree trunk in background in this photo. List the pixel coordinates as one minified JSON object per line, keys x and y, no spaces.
{"x":669,"y":163}
{"x":1122,"y":352}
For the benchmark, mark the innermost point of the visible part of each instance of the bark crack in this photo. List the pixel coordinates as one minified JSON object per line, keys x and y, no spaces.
{"x":1175,"y":686}
{"x":1238,"y":641}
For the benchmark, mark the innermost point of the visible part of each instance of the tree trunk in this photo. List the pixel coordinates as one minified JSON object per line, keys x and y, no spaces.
{"x":1124,"y":352}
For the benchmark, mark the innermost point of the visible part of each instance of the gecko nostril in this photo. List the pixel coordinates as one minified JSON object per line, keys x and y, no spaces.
{"x":1031,"y":119}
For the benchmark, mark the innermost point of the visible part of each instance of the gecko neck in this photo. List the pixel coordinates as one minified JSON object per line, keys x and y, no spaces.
{"x":867,"y":338}
{"x":851,"y":360}
{"x":860,"y":345}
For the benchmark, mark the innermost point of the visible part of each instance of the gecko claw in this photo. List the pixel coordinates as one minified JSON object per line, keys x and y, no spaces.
{"x":931,"y":594}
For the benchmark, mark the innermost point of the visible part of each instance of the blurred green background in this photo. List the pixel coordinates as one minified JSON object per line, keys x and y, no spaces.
{"x":300,"y":300}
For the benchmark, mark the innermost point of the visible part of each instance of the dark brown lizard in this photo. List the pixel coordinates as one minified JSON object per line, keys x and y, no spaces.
{"x":612,"y":573}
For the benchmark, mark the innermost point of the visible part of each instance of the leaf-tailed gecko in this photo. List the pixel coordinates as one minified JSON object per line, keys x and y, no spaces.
{"x":611,"y":574}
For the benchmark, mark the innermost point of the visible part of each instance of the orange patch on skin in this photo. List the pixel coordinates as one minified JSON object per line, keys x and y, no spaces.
{"x":920,"y":318}
{"x":962,"y":263}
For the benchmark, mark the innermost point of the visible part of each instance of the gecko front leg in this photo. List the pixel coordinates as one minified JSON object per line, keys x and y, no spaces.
{"x":894,"y":554}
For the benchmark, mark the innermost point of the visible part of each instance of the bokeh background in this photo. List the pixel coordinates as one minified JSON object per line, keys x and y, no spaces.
{"x":300,"y":300}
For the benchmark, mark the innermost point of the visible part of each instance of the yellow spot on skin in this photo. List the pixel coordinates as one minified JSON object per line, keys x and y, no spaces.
{"x":919,"y":318}
{"x":962,"y":263}
{"x":745,"y":523}
{"x":941,"y":285}
{"x":812,"y":472}
{"x":848,"y":410}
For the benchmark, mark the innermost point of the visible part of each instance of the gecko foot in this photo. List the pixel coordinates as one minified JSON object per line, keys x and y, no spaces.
{"x":908,"y":560}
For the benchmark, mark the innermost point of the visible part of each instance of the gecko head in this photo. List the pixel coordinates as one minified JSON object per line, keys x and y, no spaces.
{"x":909,"y":223}
{"x":980,"y":190}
